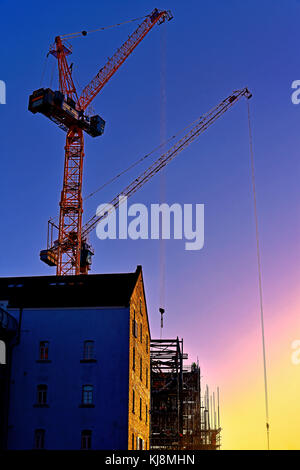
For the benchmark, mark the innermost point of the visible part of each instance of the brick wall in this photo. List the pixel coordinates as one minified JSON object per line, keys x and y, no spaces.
{"x":139,"y":344}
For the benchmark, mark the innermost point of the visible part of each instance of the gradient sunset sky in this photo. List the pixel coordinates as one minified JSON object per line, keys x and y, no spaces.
{"x":211,"y":296}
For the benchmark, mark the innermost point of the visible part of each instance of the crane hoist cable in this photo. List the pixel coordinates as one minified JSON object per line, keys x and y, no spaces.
{"x":259,"y":280}
{"x":162,"y":182}
{"x":44,"y":70}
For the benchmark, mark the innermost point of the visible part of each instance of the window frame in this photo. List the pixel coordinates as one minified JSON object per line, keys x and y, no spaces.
{"x":133,"y":358}
{"x":39,"y":436}
{"x":86,"y":438}
{"x":42,"y":395}
{"x":44,"y":351}
{"x":141,"y":305}
{"x":88,"y":346}
{"x":133,"y":401}
{"x":141,"y":409}
{"x":87,"y":395}
{"x":134,"y":325}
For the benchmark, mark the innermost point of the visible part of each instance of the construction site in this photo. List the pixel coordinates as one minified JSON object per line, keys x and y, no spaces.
{"x":182,"y":417}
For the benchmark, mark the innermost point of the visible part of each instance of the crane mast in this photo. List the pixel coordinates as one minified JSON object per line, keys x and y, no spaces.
{"x":72,"y":254}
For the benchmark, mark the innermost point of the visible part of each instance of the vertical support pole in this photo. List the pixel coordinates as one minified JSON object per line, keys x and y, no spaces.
{"x":218,"y":392}
{"x":70,"y":220}
{"x":66,"y":84}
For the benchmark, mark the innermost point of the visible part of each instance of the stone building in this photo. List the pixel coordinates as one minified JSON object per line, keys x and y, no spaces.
{"x":80,"y":367}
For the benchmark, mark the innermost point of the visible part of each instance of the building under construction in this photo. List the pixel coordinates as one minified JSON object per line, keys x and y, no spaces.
{"x":181,"y":416}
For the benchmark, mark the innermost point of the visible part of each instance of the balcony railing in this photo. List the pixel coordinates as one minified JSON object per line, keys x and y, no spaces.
{"x":7,"y":321}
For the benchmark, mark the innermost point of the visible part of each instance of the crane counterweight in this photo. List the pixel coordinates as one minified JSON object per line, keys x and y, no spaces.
{"x":63,"y":112}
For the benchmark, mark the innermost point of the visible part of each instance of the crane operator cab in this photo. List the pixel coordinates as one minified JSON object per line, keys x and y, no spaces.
{"x":62,"y":110}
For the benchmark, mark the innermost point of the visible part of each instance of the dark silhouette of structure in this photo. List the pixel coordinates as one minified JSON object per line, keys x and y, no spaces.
{"x":181,"y":419}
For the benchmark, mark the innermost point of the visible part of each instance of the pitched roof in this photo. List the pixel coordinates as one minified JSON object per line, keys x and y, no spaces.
{"x":94,"y":290}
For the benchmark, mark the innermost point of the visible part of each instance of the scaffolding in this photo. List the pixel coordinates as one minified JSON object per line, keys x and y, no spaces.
{"x":181,"y":418}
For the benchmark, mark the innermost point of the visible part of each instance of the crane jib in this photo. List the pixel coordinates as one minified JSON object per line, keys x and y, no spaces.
{"x":203,"y":123}
{"x":113,"y":64}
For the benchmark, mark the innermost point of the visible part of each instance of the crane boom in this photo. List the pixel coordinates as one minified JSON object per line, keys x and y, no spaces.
{"x":202,"y":124}
{"x":106,"y":72}
{"x":61,"y":50}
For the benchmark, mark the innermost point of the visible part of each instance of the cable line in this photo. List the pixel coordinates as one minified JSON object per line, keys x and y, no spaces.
{"x":85,"y":33}
{"x":259,"y":280}
{"x":140,"y":160}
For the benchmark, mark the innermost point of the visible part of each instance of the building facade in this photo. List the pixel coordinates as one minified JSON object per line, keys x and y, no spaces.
{"x":80,"y":371}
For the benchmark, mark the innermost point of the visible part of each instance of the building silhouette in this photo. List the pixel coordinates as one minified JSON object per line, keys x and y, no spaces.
{"x":79,"y":373}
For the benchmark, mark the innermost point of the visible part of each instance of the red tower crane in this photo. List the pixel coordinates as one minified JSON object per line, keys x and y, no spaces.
{"x":71,"y":253}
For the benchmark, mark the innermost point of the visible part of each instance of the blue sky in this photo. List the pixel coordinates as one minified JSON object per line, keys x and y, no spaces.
{"x":212,"y":48}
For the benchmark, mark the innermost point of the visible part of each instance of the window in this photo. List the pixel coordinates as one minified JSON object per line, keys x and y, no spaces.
{"x":133,"y":401}
{"x":88,"y":350}
{"x":140,"y":444}
{"x":86,"y":439}
{"x":44,"y":351}
{"x":141,"y":307}
{"x":39,"y":439}
{"x":141,"y":333}
{"x":132,"y":441}
{"x":2,"y":349}
{"x":141,"y":368}
{"x":147,"y":343}
{"x":140,"y":409}
{"x":134,"y":325}
{"x":135,"y":329}
{"x":133,"y":359}
{"x":147,"y":377}
{"x":146,"y":414}
{"x":87,"y":394}
{"x":42,"y":391}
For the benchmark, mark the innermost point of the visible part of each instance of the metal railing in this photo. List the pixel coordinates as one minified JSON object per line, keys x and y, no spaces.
{"x":7,"y":321}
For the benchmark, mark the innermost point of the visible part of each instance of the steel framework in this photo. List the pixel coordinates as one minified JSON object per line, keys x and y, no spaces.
{"x":181,"y":419}
{"x":70,"y":220}
{"x":166,"y":356}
